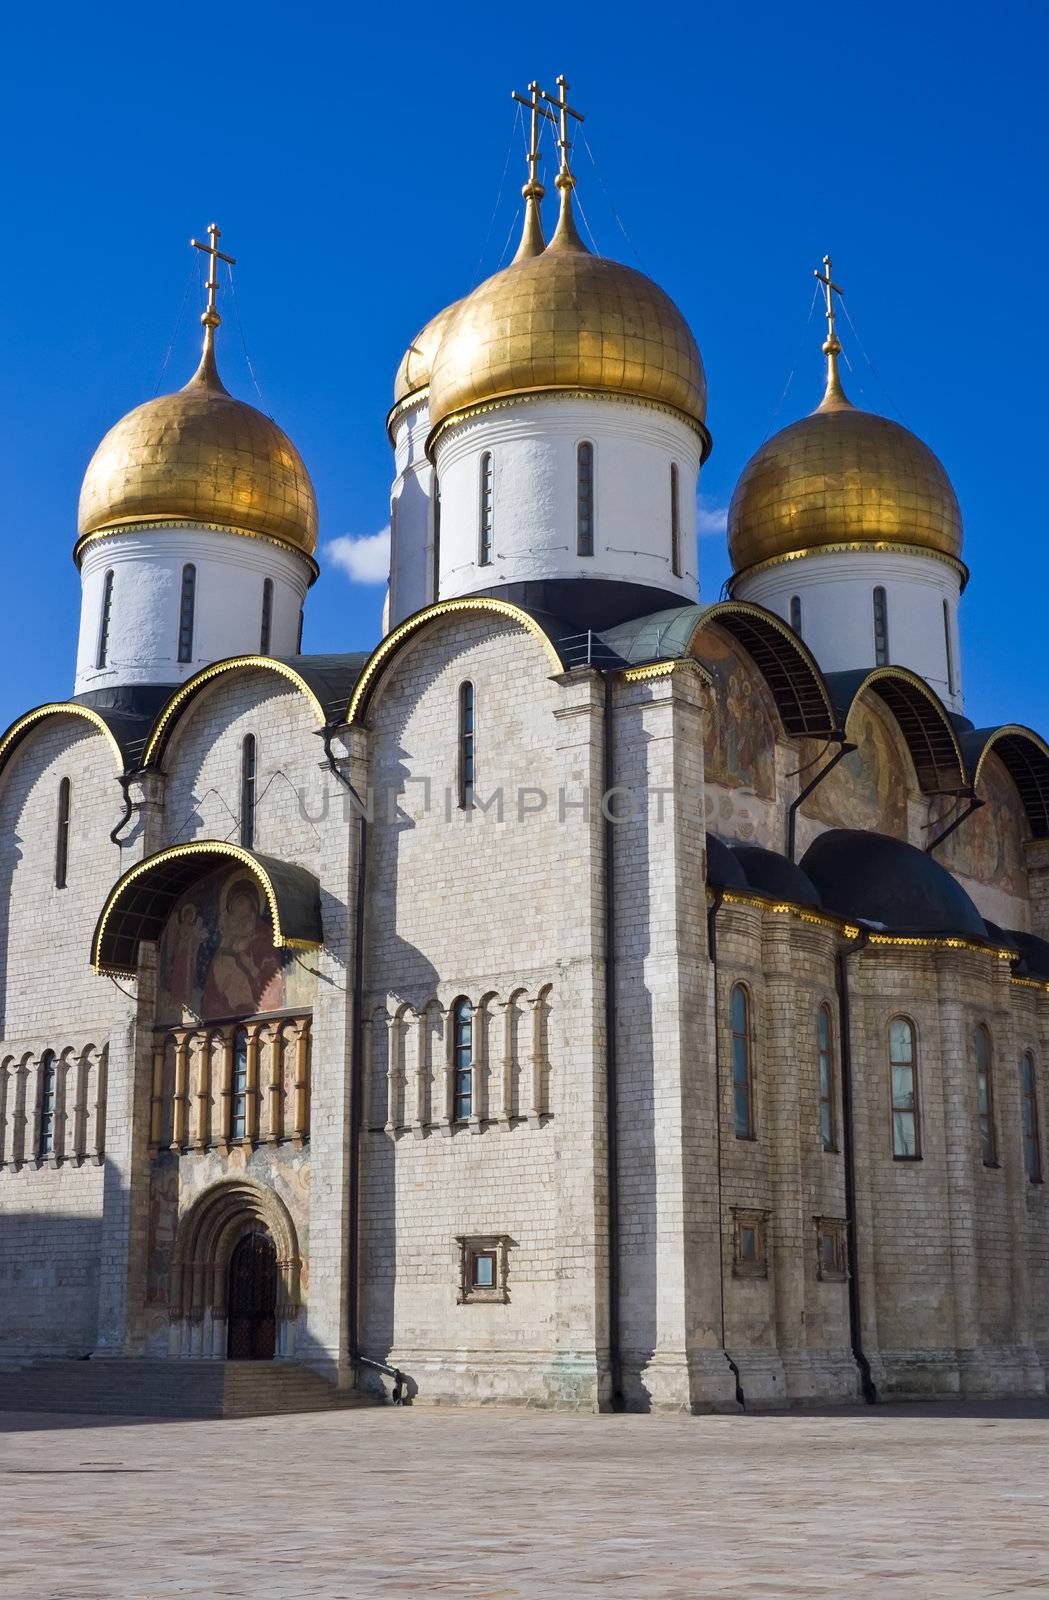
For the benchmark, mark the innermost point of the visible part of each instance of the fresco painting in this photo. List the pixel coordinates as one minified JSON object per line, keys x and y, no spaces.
{"x":217,"y":958}
{"x":989,"y":845}
{"x":867,"y":789}
{"x":739,"y":751}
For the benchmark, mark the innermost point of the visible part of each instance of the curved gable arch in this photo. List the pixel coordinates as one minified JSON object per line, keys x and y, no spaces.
{"x":787,"y":665}
{"x":140,"y":902}
{"x":1025,"y":756}
{"x":388,"y":648}
{"x":59,"y":708}
{"x":170,"y":713}
{"x":921,"y":717}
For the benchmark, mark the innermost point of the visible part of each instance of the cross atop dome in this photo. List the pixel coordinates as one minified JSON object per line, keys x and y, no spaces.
{"x":532,"y":240}
{"x":832,"y":344}
{"x":210,"y":316}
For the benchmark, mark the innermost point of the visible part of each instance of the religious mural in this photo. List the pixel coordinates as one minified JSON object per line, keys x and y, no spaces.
{"x":868,"y":788}
{"x":741,"y":738}
{"x":989,"y":845}
{"x":217,"y":958}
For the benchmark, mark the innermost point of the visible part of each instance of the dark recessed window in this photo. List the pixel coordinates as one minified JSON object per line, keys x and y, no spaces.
{"x":45,"y":1143}
{"x":749,"y":1253}
{"x":742,"y":1078}
{"x":266,"y":629}
{"x":462,"y":1060}
{"x":795,"y":613}
{"x":467,"y":738}
{"x":1029,"y":1111}
{"x":825,"y":1050}
{"x":482,"y":1269}
{"x":107,"y":616}
{"x":487,"y":515}
{"x":298,"y":636}
{"x":248,"y":776}
{"x":65,"y":799}
{"x":881,"y":628}
{"x":435,"y":588}
{"x":187,"y":606}
{"x":238,"y":1122}
{"x":585,"y":499}
{"x":675,"y":523}
{"x":831,"y":1250}
{"x":948,"y":647}
{"x":985,"y":1098}
{"x":903,"y":1068}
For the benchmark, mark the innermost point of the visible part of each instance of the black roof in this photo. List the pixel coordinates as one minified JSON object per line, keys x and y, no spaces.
{"x":771,"y":874}
{"x":884,"y":882}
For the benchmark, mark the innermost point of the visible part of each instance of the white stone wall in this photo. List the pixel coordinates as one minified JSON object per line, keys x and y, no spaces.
{"x":412,"y":574}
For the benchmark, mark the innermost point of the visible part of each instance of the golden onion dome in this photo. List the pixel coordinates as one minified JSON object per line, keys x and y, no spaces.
{"x":841,"y":476}
{"x":563,"y":319}
{"x":200,"y":456}
{"x":416,"y":365}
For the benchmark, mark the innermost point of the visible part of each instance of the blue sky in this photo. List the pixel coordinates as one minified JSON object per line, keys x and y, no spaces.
{"x":356,"y":166}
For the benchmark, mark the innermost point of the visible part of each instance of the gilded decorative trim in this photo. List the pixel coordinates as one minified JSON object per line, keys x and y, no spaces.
{"x":855,"y":546}
{"x":503,"y":608}
{"x":410,"y":402}
{"x":1011,"y":730}
{"x":732,"y":897}
{"x":58,"y":708}
{"x":148,"y":524}
{"x":233,"y":664}
{"x":556,"y":392}
{"x":663,"y":669}
{"x":1031,"y":983}
{"x":851,"y":931}
{"x":758,"y":613}
{"x":948,"y":942}
{"x":196,"y":847}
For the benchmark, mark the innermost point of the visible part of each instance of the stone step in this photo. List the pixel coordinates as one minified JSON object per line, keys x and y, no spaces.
{"x":171,"y":1388}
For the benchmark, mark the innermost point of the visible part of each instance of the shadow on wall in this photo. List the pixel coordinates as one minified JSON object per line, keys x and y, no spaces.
{"x":49,"y":1271}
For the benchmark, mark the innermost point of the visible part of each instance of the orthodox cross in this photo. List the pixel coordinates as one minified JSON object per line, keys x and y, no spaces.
{"x":211,"y":318}
{"x":564,"y":111}
{"x":830,"y":288}
{"x":537,"y":111}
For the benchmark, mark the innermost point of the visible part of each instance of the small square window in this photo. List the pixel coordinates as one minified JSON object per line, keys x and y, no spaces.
{"x":749,"y":1259}
{"x":832,"y":1262}
{"x":482,"y":1269}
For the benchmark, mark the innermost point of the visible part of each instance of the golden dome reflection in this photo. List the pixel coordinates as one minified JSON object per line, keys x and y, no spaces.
{"x":414,"y":371}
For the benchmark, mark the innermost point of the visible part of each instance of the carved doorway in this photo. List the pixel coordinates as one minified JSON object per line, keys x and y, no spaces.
{"x":252,"y":1299}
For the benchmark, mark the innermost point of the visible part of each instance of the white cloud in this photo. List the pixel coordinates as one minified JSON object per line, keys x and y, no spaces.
{"x":365,"y":560}
{"x":711,"y":521}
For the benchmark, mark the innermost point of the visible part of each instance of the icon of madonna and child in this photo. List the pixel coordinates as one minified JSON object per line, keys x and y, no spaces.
{"x":217,"y":957}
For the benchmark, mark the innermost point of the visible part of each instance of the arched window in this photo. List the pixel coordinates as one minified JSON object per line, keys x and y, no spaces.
{"x":795,"y":613}
{"x":45,"y":1139}
{"x":675,"y":523}
{"x":466,"y":746}
{"x":238,"y":1098}
{"x":62,"y":833}
{"x":462,"y":1060}
{"x":102,"y":655}
{"x":487,"y":517}
{"x":881,"y":628}
{"x":436,"y":584}
{"x":266,"y":630}
{"x":187,"y":605}
{"x":742,"y":1078}
{"x":903,"y":1068}
{"x":298,"y":636}
{"x":948,"y":647}
{"x":825,"y":1049}
{"x":248,"y":757}
{"x":985,"y":1098}
{"x":1029,"y":1110}
{"x":584,"y":515}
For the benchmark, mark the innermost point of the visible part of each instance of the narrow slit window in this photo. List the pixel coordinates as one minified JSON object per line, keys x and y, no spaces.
{"x":795,"y":613}
{"x":985,"y":1098}
{"x":1029,"y":1111}
{"x":187,"y":607}
{"x":825,"y":1048}
{"x":65,"y":797}
{"x":742,"y":1078}
{"x":881,"y":628}
{"x":45,"y":1143}
{"x":675,"y":522}
{"x":467,"y":737}
{"x":436,"y":577}
{"x":585,"y":499}
{"x":948,"y":648}
{"x":248,"y":781}
{"x":238,"y":1123}
{"x":266,"y":629}
{"x":487,"y":509}
{"x":462,"y":1060}
{"x":298,"y":636}
{"x":102,"y":655}
{"x":903,"y":1069}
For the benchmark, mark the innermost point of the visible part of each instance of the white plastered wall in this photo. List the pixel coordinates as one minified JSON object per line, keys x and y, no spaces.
{"x":411,"y":516}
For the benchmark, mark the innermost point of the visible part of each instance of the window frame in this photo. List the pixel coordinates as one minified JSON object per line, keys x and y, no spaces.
{"x":747,"y":1220}
{"x":105,"y":621}
{"x":836,"y":1230}
{"x":187,"y":613}
{"x":466,"y":757}
{"x":462,"y":1063}
{"x":486,"y":510}
{"x":249,"y":776}
{"x":62,"y":826}
{"x":914,"y":1110}
{"x":266,"y":620}
{"x":584,"y":502}
{"x":985,"y":1118}
{"x":1029,"y":1125}
{"x":749,"y":1123}
{"x":675,"y":520}
{"x":47,"y":1114}
{"x":827,"y":1080}
{"x":494,"y":1247}
{"x":239,"y":1091}
{"x":880,"y":610}
{"x":794,"y":614}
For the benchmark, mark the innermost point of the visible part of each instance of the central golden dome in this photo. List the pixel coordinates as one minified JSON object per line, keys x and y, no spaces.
{"x":841,"y":477}
{"x":566,"y":319}
{"x":200,"y":456}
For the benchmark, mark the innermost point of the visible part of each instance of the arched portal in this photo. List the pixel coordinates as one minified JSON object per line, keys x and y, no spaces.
{"x":251,"y":1298}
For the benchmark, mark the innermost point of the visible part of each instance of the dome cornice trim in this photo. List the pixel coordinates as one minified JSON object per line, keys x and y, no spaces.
{"x":854,"y":547}
{"x":561,"y":392}
{"x":59,"y":708}
{"x":410,"y":402}
{"x":144,"y":524}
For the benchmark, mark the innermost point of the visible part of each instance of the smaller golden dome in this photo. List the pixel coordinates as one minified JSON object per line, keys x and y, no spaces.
{"x":566,"y":319}
{"x":416,"y":365}
{"x":841,"y":476}
{"x":200,"y":456}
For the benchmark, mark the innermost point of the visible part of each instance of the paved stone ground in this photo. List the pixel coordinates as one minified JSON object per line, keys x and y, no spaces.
{"x":494,"y":1504}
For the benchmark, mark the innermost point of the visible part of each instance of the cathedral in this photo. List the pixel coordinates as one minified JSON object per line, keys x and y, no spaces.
{"x":588,"y":997}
